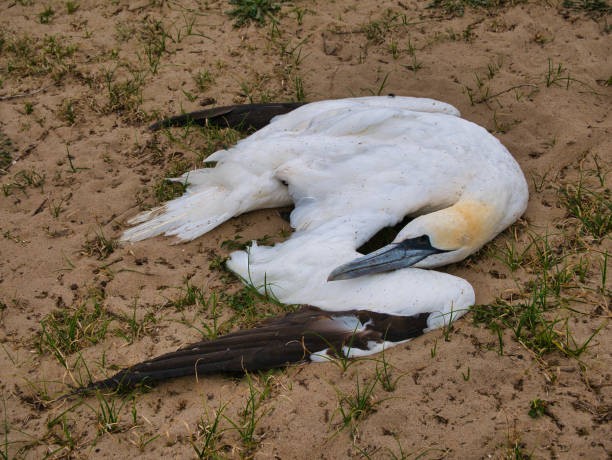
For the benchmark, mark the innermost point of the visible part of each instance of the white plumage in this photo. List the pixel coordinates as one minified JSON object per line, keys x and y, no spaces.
{"x":352,"y":167}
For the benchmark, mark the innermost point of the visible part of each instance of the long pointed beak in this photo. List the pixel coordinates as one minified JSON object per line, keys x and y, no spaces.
{"x":391,"y":257}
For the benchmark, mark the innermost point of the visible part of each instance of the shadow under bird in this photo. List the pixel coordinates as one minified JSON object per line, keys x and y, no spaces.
{"x":351,"y":167}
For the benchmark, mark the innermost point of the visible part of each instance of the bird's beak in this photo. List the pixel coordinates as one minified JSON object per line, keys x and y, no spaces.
{"x":391,"y":257}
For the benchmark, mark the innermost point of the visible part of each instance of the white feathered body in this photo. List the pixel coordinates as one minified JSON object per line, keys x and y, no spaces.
{"x":351,"y":167}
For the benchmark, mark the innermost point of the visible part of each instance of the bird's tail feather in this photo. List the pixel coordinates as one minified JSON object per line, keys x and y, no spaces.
{"x":186,"y":217}
{"x":275,"y":343}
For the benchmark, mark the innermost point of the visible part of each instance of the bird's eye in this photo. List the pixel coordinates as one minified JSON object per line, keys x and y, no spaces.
{"x":284,"y":182}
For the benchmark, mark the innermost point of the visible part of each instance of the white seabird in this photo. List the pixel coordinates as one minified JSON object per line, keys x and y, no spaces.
{"x":351,"y":167}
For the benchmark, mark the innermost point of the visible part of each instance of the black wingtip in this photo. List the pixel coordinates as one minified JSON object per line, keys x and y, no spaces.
{"x":241,"y":117}
{"x":122,"y":382}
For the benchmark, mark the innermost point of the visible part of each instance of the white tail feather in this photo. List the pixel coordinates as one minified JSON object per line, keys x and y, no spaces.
{"x":186,"y":217}
{"x":213,"y":196}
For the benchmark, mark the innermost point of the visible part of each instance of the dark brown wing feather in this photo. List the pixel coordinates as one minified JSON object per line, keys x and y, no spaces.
{"x":274,"y":343}
{"x":234,"y":116}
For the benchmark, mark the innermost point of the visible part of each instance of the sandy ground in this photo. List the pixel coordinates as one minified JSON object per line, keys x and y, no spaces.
{"x":77,"y":161}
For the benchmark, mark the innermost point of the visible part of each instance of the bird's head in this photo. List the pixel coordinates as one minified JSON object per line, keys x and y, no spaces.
{"x":431,"y":240}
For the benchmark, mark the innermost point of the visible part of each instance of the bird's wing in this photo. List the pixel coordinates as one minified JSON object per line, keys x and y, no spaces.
{"x":259,"y":115}
{"x":249,"y":176}
{"x":245,"y":116}
{"x":309,"y":333}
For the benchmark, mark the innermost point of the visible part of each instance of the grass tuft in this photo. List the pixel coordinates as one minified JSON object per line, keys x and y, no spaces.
{"x":28,"y":56}
{"x":599,"y":7}
{"x":251,"y":415}
{"x":356,"y":406}
{"x":99,"y":246}
{"x":457,"y":7}
{"x":209,"y":433}
{"x":67,"y":331}
{"x":593,"y":208}
{"x":258,"y":11}
{"x":6,"y":151}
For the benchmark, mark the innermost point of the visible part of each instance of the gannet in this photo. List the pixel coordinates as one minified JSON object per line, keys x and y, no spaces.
{"x":351,"y":167}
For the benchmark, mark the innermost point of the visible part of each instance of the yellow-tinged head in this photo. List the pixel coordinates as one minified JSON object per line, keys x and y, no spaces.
{"x":459,"y":230}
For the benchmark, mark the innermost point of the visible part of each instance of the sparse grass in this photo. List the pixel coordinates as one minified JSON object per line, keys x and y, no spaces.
{"x":200,"y":142}
{"x":134,"y":327}
{"x":377,"y":30}
{"x":236,"y":243}
{"x":99,"y":246}
{"x":537,"y":408}
{"x":24,"y":179}
{"x":259,"y":11}
{"x":67,"y":111}
{"x":9,"y":442}
{"x":300,"y":95}
{"x":245,"y":304}
{"x":213,"y":139}
{"x":538,"y":320}
{"x":4,"y":454}
{"x":415,"y":65}
{"x":190,"y":97}
{"x":591,"y":206}
{"x":203,"y":79}
{"x":73,"y":169}
{"x":557,"y":75}
{"x":250,"y":416}
{"x":209,"y":433}
{"x":46,"y":15}
{"x":385,"y":374}
{"x":190,"y":295}
{"x":300,"y":12}
{"x":69,"y":330}
{"x":125,"y":95}
{"x":457,"y":7}
{"x":510,"y":255}
{"x":560,"y":267}
{"x":55,"y":207}
{"x":125,"y":31}
{"x":354,"y":407}
{"x":6,"y":153}
{"x":599,"y":7}
{"x":208,"y":305}
{"x":155,"y":38}
{"x":59,"y":431}
{"x":108,"y":412}
{"x":515,"y":449}
{"x":72,"y":7}
{"x":434,"y":350}
{"x":166,"y":190}
{"x":27,"y":56}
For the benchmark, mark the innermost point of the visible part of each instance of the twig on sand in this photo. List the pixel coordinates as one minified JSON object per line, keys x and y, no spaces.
{"x":17,"y":96}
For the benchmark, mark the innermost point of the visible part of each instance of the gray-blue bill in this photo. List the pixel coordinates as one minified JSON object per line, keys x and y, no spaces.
{"x":391,"y":257}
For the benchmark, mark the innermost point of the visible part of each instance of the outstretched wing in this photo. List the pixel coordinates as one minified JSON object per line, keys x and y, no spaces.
{"x":309,"y":333}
